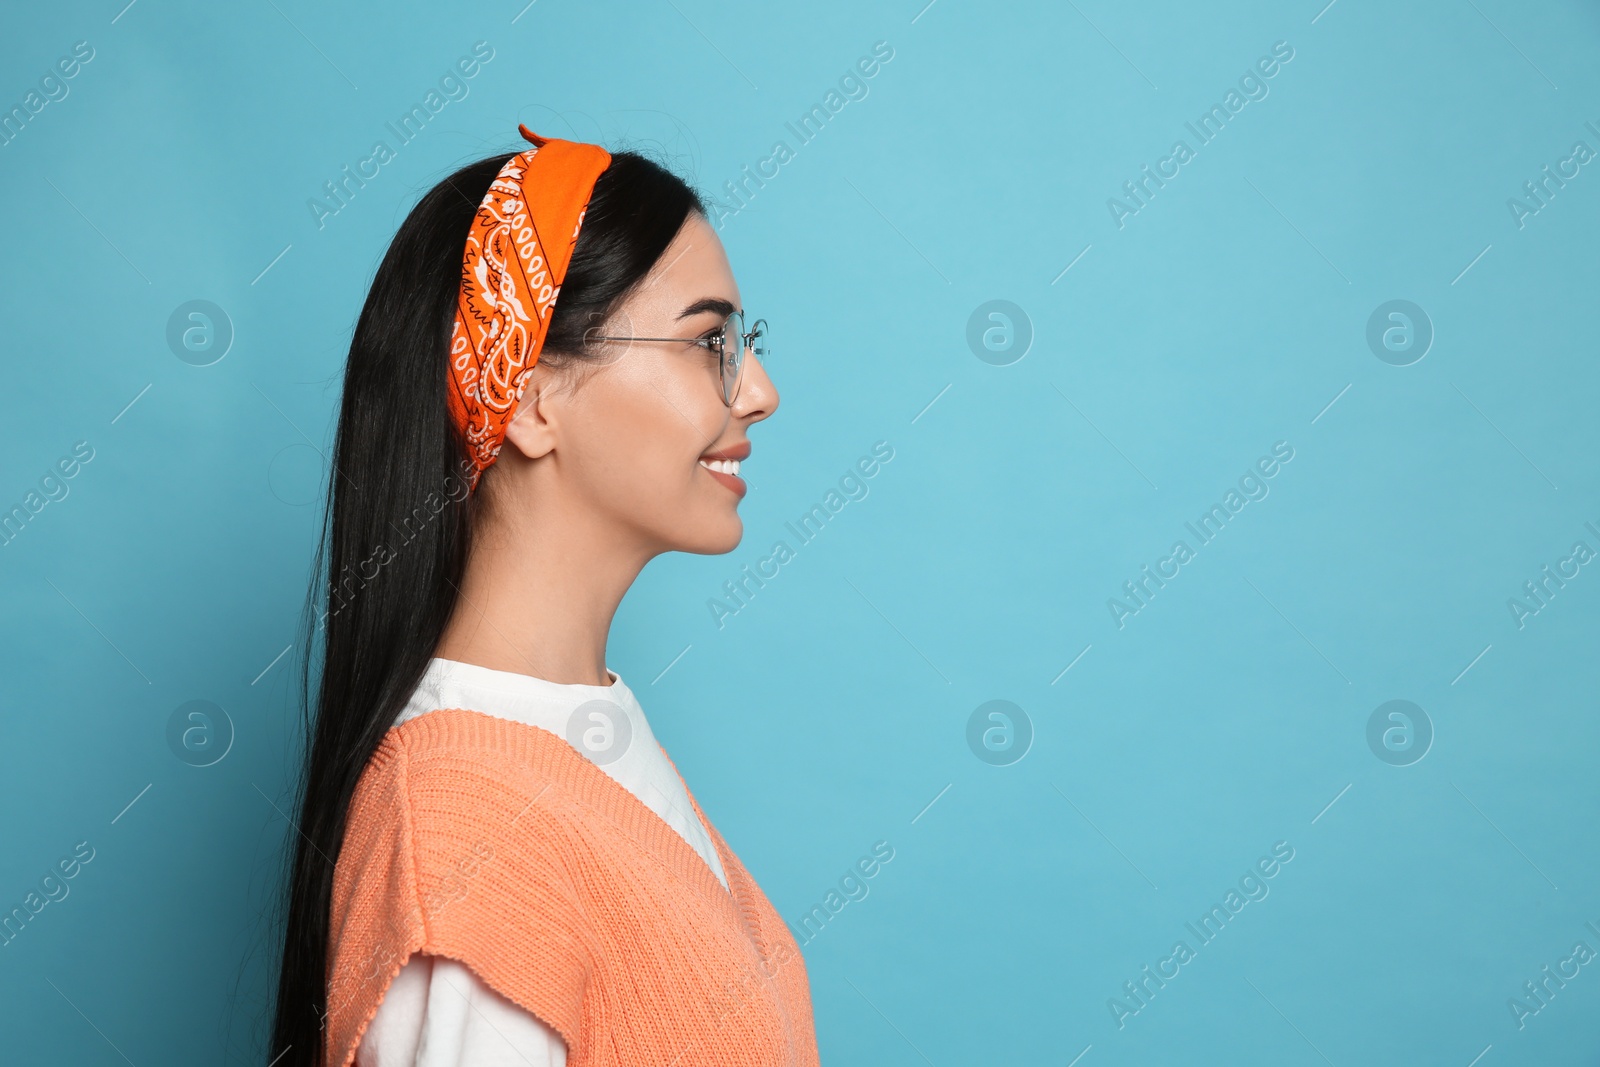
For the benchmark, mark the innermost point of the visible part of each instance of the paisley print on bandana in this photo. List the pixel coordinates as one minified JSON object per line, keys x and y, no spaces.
{"x":516,"y":257}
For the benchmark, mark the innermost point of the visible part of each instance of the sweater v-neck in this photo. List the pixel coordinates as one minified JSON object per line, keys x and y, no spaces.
{"x":555,"y":757}
{"x":638,"y":766}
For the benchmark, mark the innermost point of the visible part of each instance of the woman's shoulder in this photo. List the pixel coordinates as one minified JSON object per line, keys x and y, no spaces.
{"x":452,"y":786}
{"x":470,"y":749}
{"x":452,"y":769}
{"x":456,"y":805}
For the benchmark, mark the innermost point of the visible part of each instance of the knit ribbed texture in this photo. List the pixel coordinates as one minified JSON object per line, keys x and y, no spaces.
{"x":496,"y":843}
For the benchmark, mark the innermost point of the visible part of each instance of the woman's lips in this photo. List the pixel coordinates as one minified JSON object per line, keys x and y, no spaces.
{"x":732,"y":481}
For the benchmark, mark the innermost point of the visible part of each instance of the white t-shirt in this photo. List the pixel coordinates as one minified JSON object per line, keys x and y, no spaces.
{"x":437,"y":1013}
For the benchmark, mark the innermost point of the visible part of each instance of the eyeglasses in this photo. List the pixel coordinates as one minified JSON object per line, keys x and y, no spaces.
{"x":730,"y":358}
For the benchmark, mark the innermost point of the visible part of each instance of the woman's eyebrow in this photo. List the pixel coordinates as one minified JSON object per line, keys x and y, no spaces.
{"x":709,"y":303}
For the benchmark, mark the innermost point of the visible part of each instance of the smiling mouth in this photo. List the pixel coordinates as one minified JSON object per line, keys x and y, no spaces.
{"x":726,"y":471}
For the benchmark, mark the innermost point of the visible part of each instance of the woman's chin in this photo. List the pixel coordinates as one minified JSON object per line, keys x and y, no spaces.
{"x":717,"y":538}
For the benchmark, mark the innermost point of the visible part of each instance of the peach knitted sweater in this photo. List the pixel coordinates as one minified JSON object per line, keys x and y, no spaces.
{"x":496,"y":843}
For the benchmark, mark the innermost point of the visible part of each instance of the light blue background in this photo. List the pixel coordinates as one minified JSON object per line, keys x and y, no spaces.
{"x":1227,"y":715}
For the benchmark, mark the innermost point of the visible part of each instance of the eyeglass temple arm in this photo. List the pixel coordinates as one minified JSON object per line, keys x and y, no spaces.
{"x":746,"y":337}
{"x":615,"y":337}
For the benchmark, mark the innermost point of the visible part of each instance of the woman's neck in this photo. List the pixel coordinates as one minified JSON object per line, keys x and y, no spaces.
{"x":538,"y":597}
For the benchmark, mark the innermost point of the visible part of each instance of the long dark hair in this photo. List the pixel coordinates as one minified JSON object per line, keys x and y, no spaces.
{"x":399,"y":519}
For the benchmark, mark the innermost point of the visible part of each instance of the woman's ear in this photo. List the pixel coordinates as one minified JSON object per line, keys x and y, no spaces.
{"x":535,"y":427}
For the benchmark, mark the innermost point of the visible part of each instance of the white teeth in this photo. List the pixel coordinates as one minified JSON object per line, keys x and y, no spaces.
{"x":726,"y":466}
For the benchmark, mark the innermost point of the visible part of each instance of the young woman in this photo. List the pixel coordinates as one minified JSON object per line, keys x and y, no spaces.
{"x":551,"y":382}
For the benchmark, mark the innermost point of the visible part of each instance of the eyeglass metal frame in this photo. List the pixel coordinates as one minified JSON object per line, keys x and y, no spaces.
{"x":718,"y":343}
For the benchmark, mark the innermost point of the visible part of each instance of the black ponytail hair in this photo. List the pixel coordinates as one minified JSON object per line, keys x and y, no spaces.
{"x":399,"y":519}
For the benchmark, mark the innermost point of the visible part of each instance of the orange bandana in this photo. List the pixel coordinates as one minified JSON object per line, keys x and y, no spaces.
{"x":516,"y":257}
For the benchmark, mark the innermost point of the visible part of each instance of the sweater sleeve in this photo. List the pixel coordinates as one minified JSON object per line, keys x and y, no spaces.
{"x":452,"y":854}
{"x":436,"y":1013}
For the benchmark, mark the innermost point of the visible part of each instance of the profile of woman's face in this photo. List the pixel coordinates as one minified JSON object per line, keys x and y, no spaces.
{"x":628,"y":434}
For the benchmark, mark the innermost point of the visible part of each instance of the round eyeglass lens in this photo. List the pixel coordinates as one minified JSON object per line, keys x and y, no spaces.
{"x":732,"y":356}
{"x":737,"y":347}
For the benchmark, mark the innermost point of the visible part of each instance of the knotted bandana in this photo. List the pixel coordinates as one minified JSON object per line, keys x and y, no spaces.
{"x":516,"y":257}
